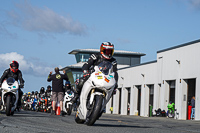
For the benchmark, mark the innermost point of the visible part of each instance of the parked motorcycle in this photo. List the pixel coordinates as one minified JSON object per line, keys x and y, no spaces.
{"x":10,"y":95}
{"x":96,"y":92}
{"x":67,"y":105}
{"x":170,"y":111}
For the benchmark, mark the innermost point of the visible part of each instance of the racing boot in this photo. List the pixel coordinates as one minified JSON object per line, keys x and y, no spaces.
{"x":18,"y":105}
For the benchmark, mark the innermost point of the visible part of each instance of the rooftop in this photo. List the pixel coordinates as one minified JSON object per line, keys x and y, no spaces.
{"x":178,"y":46}
{"x":77,"y":65}
{"x":117,"y":52}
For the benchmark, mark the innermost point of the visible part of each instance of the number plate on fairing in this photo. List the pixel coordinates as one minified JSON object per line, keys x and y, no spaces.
{"x":99,"y":77}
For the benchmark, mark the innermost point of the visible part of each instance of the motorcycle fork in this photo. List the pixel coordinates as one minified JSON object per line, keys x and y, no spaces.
{"x":90,"y":106}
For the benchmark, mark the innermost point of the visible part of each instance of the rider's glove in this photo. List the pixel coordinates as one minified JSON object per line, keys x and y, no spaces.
{"x":21,"y":85}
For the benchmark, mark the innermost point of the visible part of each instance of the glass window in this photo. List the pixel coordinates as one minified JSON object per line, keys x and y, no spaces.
{"x":74,"y":76}
{"x":82,"y":57}
{"x":77,"y":75}
{"x":127,"y":60}
{"x":123,"y":60}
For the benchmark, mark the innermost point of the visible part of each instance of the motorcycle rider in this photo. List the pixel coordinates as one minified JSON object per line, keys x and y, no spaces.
{"x":32,"y":94}
{"x":42,"y":92}
{"x":68,"y":87}
{"x":48,"y":91}
{"x":14,"y":72}
{"x":36,"y":95}
{"x":105,"y":54}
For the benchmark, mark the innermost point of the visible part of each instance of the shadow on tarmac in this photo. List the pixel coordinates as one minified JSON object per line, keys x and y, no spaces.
{"x":107,"y":125}
{"x":116,"y":120}
{"x":23,"y":114}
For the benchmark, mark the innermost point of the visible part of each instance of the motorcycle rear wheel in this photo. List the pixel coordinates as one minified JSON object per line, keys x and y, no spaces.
{"x":96,"y":111}
{"x":8,"y":105}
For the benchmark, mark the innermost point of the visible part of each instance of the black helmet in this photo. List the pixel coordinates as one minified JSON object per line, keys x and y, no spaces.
{"x":107,"y":50}
{"x":42,"y":90}
{"x":33,"y":93}
{"x":36,"y":92}
{"x":48,"y":88}
{"x":68,"y":85}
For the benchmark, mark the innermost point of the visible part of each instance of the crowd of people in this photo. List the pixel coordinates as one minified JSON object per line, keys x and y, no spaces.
{"x":37,"y":100}
{"x":43,"y":99}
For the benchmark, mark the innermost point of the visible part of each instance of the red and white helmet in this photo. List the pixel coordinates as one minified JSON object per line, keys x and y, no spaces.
{"x":107,"y":50}
{"x":14,"y":65}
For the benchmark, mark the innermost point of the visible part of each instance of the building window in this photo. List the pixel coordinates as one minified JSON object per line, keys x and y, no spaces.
{"x":77,"y":75}
{"x":82,"y":57}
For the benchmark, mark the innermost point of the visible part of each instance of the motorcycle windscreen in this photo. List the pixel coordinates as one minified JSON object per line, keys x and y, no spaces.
{"x":104,"y":67}
{"x":10,"y":81}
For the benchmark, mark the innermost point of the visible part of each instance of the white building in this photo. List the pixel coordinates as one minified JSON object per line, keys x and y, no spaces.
{"x":174,"y":76}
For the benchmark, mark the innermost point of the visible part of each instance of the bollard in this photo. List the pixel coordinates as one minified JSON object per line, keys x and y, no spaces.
{"x":189,"y":111}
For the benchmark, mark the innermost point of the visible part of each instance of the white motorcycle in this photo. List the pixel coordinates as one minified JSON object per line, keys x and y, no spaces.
{"x":96,"y":93}
{"x":10,"y":95}
{"x":67,"y":105}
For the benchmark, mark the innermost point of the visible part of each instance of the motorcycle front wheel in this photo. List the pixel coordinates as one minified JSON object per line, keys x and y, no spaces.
{"x":95,"y":111}
{"x":8,"y":105}
{"x":69,"y":110}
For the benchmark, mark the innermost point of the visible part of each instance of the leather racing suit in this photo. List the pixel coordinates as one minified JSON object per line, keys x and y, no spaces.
{"x":94,"y":60}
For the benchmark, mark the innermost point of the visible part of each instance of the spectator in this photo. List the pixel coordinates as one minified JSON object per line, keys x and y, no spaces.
{"x":57,"y":89}
{"x":193,"y":108}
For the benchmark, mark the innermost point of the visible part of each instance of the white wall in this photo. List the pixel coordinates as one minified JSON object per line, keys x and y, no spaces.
{"x":158,"y":73}
{"x":188,"y":68}
{"x":130,"y":77}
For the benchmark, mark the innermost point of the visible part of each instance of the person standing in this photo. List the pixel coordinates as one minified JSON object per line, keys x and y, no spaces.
{"x":193,"y":108}
{"x":57,"y":89}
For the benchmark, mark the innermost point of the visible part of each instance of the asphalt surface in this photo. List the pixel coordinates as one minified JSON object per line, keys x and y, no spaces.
{"x":39,"y":122}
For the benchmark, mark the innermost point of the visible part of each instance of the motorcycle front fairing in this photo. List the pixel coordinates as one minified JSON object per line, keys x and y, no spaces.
{"x":97,"y":80}
{"x":10,"y":87}
{"x":68,"y":96}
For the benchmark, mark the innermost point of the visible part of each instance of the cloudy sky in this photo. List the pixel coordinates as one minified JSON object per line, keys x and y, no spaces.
{"x":40,"y":34}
